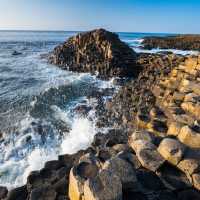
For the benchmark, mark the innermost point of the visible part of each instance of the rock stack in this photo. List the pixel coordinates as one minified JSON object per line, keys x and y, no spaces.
{"x":98,"y":51}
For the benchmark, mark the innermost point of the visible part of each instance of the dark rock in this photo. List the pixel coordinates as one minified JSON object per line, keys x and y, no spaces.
{"x":166,"y":195}
{"x":121,"y":148}
{"x":45,"y":173}
{"x":131,"y":158}
{"x":115,"y":136}
{"x":173,"y":178}
{"x":157,"y":112}
{"x":144,"y":118}
{"x":149,"y":180}
{"x":82,"y":109}
{"x":160,"y":126}
{"x":183,"y":42}
{"x":196,"y":128}
{"x":36,"y":179}
{"x":86,"y":170}
{"x":104,"y":154}
{"x":124,"y":170}
{"x":179,"y":111}
{"x":61,"y":186}
{"x":16,"y":53}
{"x":53,"y":165}
{"x":99,"y":140}
{"x":105,"y":185}
{"x":35,"y":175}
{"x":70,"y":160}
{"x":43,"y":193}
{"x":61,"y":172}
{"x":62,"y":198}
{"x":131,"y":195}
{"x":20,"y":193}
{"x":97,"y":50}
{"x":190,"y":194}
{"x":3,"y":192}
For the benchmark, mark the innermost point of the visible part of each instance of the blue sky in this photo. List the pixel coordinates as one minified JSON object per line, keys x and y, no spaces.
{"x":176,"y":16}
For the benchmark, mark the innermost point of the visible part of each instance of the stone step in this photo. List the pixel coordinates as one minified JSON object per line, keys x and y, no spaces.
{"x":189,"y":137}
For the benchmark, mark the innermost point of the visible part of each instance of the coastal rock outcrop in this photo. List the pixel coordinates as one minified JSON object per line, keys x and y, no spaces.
{"x":97,"y":51}
{"x":161,"y":105}
{"x":151,"y":152}
{"x":182,"y":42}
{"x":177,"y":96}
{"x":135,"y":100}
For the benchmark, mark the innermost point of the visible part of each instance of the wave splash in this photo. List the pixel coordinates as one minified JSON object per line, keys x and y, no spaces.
{"x":50,"y":128}
{"x":80,"y":137}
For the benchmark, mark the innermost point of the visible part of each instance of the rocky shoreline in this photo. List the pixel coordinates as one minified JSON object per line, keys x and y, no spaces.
{"x":152,"y":151}
{"x":181,"y":42}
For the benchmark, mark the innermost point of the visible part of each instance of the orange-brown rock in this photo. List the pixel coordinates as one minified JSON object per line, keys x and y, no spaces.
{"x":96,"y":51}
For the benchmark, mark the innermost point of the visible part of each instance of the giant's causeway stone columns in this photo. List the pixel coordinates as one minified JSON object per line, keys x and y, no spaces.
{"x":97,"y":51}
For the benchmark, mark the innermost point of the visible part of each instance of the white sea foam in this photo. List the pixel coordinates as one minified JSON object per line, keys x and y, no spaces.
{"x":18,"y":158}
{"x":80,"y":136}
{"x":137,"y":43}
{"x":60,"y":114}
{"x":107,"y":84}
{"x":175,"y":51}
{"x":36,"y":160}
{"x":14,"y":172}
{"x":137,"y":40}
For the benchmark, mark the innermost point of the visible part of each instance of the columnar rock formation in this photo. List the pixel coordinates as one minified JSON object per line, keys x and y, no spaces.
{"x":98,"y":51}
{"x":163,"y":146}
{"x":152,"y":152}
{"x":174,"y":119}
{"x":182,"y":42}
{"x":136,"y":95}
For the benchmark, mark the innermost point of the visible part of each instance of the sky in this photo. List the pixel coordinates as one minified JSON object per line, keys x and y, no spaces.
{"x":167,"y":16}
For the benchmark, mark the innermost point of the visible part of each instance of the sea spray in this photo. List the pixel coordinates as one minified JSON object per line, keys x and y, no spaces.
{"x":80,"y":136}
{"x":27,"y":151}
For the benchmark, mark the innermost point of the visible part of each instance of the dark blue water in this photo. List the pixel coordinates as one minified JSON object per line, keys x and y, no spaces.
{"x":37,"y":101}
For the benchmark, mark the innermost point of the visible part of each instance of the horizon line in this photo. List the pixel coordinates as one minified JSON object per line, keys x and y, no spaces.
{"x":51,"y":30}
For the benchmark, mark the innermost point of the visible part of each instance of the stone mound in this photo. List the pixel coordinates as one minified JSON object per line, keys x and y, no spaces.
{"x":97,"y":51}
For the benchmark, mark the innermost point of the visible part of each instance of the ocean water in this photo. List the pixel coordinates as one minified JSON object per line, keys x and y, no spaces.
{"x":37,"y":103}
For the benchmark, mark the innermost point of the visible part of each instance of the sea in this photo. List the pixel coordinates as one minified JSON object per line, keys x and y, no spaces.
{"x":38,"y":101}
